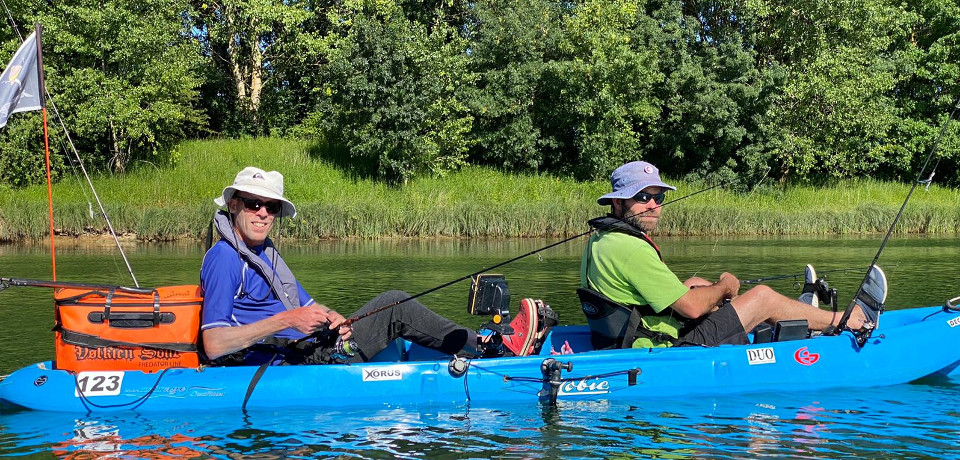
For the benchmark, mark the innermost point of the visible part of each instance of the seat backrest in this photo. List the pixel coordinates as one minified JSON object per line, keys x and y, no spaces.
{"x":609,"y":321}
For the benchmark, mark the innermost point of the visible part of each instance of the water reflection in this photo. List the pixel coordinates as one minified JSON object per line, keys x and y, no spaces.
{"x":907,"y":421}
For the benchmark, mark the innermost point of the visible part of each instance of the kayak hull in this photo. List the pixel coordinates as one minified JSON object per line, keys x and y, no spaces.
{"x":911,"y":344}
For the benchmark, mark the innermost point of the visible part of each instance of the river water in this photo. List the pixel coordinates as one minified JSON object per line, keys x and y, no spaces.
{"x":918,"y":420}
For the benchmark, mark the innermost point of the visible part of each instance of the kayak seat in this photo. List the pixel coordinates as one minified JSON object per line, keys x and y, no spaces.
{"x":612,"y":325}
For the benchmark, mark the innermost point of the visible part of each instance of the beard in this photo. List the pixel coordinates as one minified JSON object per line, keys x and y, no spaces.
{"x":636,"y":220}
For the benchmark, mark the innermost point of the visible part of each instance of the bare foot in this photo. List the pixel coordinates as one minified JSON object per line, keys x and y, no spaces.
{"x":857,"y":318}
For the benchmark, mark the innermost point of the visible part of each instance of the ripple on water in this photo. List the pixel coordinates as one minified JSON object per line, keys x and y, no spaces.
{"x":906,"y":421}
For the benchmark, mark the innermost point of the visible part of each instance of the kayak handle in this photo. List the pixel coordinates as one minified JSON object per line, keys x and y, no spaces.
{"x":951,"y":304}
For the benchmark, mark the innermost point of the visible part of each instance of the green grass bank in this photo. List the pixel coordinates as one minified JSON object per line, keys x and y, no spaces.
{"x":175,"y":203}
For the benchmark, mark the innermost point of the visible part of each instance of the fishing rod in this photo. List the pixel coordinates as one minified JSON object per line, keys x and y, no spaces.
{"x":7,"y":282}
{"x":486,"y":269}
{"x":796,"y":276}
{"x":864,"y":333}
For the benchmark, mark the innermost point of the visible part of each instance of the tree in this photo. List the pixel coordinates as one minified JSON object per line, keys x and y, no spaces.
{"x":389,"y":92}
{"x":511,"y":45}
{"x":712,"y":90}
{"x":244,"y":40}
{"x":836,"y":114}
{"x":124,"y":76}
{"x":926,"y":98}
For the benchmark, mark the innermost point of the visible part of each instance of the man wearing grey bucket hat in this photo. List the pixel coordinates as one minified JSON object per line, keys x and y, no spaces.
{"x":623,"y":267}
{"x":256,"y":312}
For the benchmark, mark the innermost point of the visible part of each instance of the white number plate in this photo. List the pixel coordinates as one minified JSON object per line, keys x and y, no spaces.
{"x":98,"y":383}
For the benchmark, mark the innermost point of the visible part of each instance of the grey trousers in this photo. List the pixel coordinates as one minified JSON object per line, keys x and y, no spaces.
{"x":410,"y":320}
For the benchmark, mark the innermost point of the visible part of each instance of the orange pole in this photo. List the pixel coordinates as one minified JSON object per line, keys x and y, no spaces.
{"x":46,"y":146}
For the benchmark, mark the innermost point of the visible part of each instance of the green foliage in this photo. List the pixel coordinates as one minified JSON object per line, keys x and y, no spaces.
{"x":807,"y":91}
{"x":512,"y":43}
{"x":22,"y":154}
{"x":834,"y":114}
{"x":608,"y":72}
{"x":246,"y":42}
{"x":712,"y":94}
{"x":580,"y":88}
{"x":123,"y":77}
{"x":390,"y":93}
{"x":472,"y":202}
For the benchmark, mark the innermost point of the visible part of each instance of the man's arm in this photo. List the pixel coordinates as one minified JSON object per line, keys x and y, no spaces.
{"x":220,"y":341}
{"x":700,"y":299}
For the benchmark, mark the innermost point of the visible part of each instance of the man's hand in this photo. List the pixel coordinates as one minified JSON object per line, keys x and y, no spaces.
{"x":310,"y":318}
{"x":336,"y":322}
{"x":731,"y":285}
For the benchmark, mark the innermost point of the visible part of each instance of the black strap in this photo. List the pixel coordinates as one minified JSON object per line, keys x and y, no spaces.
{"x":256,"y":379}
{"x":92,"y":341}
{"x":208,"y":241}
{"x":548,"y":317}
{"x":633,"y":326}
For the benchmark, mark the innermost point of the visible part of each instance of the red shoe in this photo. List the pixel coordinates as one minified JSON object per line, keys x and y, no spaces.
{"x":525,"y":327}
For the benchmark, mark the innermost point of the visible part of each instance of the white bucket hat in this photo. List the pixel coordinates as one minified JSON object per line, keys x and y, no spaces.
{"x":258,"y":182}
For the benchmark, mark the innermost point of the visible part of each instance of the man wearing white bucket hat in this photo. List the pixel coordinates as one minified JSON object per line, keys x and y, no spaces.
{"x":255,"y":311}
{"x":624,"y":266}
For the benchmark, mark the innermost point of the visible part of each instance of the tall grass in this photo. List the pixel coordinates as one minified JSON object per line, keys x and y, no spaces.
{"x":150,"y":203}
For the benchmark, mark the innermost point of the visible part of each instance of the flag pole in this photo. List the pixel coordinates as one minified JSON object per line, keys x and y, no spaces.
{"x":46,"y":146}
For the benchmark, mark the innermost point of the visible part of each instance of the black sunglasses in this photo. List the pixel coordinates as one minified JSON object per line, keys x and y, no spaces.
{"x":644,"y":197}
{"x":254,"y":204}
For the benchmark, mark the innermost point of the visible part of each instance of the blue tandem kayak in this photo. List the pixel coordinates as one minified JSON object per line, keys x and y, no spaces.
{"x":911,"y":344}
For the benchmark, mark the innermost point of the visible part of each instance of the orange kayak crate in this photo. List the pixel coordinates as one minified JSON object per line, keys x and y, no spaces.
{"x":112,"y":329}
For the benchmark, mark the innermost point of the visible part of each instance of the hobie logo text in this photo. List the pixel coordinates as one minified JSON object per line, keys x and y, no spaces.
{"x":378,"y":374}
{"x":585,"y":387}
{"x":761,"y":356}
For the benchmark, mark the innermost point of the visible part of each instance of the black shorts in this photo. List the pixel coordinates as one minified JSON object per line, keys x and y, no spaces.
{"x":721,"y":327}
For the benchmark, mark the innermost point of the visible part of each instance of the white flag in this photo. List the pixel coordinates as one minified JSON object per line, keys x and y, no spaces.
{"x":20,"y":83}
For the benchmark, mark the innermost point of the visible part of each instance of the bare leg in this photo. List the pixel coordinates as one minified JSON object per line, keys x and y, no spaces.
{"x":764,"y":304}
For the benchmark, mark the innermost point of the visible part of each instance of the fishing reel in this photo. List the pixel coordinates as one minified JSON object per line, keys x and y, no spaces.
{"x":336,"y":349}
{"x":489,"y":295}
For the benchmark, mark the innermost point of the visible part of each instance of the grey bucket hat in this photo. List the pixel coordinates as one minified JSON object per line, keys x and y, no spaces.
{"x":629,"y":179}
{"x":256,"y":181}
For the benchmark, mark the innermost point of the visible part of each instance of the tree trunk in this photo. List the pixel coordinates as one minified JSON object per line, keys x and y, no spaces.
{"x":237,"y":72}
{"x":117,"y":157}
{"x":256,"y":69}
